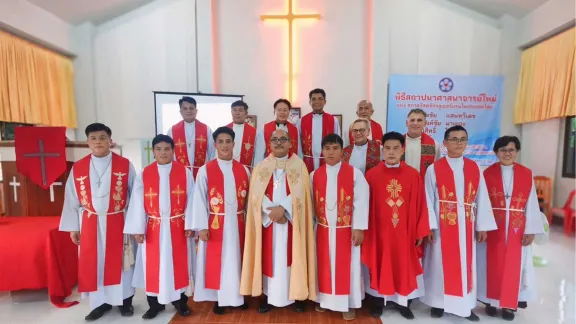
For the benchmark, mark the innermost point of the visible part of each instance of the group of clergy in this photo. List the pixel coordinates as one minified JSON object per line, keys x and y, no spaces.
{"x":289,"y":213}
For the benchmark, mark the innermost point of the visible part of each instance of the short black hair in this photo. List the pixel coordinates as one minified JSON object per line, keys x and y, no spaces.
{"x":161,"y":138}
{"x":187,"y":99}
{"x":455,"y":128}
{"x":504,"y":141}
{"x":97,"y":127}
{"x":333,"y":139}
{"x":282,"y":101}
{"x":394,"y":136}
{"x":417,"y":111}
{"x":317,"y":90}
{"x":223,"y":130}
{"x":239,"y":103}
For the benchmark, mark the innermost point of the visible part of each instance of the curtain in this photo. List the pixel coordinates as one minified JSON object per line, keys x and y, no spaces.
{"x":546,"y":84}
{"x":36,"y":84}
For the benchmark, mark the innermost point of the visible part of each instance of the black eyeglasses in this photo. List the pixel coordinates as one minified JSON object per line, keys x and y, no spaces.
{"x":280,"y":140}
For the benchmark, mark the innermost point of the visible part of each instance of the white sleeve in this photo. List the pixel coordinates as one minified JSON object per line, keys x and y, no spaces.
{"x":169,"y":132}
{"x":210,"y":150}
{"x":298,"y":127}
{"x":438,"y":150}
{"x":131,"y":179}
{"x":484,"y":215}
{"x":200,"y":213}
{"x":534,"y":223}
{"x":70,"y":220}
{"x":136,"y":217}
{"x":189,"y":200}
{"x":430,"y":187}
{"x":361,"y":201}
{"x":337,"y":129}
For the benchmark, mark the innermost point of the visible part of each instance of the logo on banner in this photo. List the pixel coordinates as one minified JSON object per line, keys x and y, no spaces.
{"x":446,"y":85}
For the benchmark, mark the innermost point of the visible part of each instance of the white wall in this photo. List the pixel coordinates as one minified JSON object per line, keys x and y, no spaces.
{"x":330,"y":53}
{"x":26,"y":19}
{"x":429,"y":37}
{"x":546,"y":19}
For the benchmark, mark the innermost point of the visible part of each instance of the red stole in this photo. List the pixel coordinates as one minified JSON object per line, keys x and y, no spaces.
{"x":372,"y":154}
{"x":376,"y":131}
{"x":270,"y":127}
{"x":306,"y":139}
{"x":217,"y":217}
{"x":247,"y":142}
{"x":268,"y":237}
{"x":449,"y":223}
{"x":200,"y":145}
{"x":504,"y":250}
{"x":345,"y":205}
{"x":88,"y":259}
{"x":178,"y":199}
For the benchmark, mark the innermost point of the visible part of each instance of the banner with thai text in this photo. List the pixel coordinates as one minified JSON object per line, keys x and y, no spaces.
{"x":471,"y":101}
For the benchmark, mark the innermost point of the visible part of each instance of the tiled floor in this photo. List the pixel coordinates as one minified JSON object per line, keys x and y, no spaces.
{"x":556,"y":303}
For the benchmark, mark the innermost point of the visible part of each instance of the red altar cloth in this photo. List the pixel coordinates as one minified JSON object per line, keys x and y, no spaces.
{"x":35,"y":255}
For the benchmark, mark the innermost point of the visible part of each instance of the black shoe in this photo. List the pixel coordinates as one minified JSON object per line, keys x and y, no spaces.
{"x":264,"y":307}
{"x":299,"y":306}
{"x":491,"y":311}
{"x":405,"y":312}
{"x":436,"y":312}
{"x":507,"y":314}
{"x":98,"y":312}
{"x":244,"y":306}
{"x":126,"y":309}
{"x":377,"y":307}
{"x":473,"y":317}
{"x":522,"y":305}
{"x":183,"y":309}
{"x":153,"y":312}
{"x":218,"y":310}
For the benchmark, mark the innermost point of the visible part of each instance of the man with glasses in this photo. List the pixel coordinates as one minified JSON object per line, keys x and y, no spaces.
{"x":421,"y":149}
{"x":279,"y":256}
{"x":460,"y":215}
{"x":313,"y":127}
{"x":365,"y":110}
{"x":505,"y":270}
{"x":363,"y":154}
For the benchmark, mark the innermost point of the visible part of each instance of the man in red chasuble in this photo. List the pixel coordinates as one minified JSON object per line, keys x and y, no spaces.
{"x":263,"y":146}
{"x":245,"y":134}
{"x":506,"y":277}
{"x":363,"y":154}
{"x":193,"y":145}
{"x":160,"y":209}
{"x":398,"y":224}
{"x":96,"y":197}
{"x":313,"y":127}
{"x":365,"y":110}
{"x":220,"y":199}
{"x":341,"y":199}
{"x":421,"y":149}
{"x":460,"y":215}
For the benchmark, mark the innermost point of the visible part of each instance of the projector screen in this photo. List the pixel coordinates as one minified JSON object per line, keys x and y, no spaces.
{"x":213,"y":109}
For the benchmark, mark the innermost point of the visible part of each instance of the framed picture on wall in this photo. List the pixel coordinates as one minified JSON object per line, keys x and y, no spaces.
{"x":569,"y":160}
{"x":252,"y":120}
{"x":294,"y":115}
{"x":339,"y":116}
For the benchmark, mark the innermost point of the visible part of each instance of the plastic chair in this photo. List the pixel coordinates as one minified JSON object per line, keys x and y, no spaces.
{"x":568,"y":212}
{"x":544,"y":193}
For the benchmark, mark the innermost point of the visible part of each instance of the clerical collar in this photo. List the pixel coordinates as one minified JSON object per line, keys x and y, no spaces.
{"x":191,"y":123}
{"x":167,"y":165}
{"x":337,"y":165}
{"x":224,"y":161}
{"x":361,"y":145}
{"x":413,"y":138}
{"x":105,"y":157}
{"x":397,"y":165}
{"x":234,"y":124}
{"x":285,"y":157}
{"x":279,"y":124}
{"x":507,"y":166}
{"x":456,"y":159}
{"x":320,"y":113}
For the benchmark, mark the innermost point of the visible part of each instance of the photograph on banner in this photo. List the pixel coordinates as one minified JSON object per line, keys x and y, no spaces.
{"x":448,"y":100}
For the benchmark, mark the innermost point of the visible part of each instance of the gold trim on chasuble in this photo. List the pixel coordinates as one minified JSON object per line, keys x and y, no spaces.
{"x":84,"y":200}
{"x":394,"y":188}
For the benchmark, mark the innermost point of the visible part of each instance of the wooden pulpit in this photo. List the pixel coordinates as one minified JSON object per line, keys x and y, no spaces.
{"x":22,"y":197}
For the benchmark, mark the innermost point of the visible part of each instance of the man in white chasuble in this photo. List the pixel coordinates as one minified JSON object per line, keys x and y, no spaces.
{"x":341,"y":199}
{"x":220,"y":199}
{"x":96,"y":197}
{"x":160,"y":207}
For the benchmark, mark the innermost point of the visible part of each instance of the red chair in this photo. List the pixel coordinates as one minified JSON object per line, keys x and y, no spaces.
{"x":568,"y":212}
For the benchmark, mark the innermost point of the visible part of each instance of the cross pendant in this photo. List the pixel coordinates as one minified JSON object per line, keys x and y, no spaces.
{"x":189,"y":144}
{"x":98,"y":183}
{"x":507,"y":196}
{"x":276,"y":183}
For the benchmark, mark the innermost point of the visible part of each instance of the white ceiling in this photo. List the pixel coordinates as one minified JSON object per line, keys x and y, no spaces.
{"x":497,"y":8}
{"x":97,"y":11}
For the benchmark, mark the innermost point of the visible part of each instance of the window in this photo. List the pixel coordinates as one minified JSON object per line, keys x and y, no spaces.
{"x":569,"y":159}
{"x":7,"y":130}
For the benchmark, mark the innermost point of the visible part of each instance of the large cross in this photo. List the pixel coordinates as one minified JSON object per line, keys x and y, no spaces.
{"x":42,"y":155}
{"x":290,"y":17}
{"x":148,"y":149}
{"x":52,"y":190}
{"x":15,"y":184}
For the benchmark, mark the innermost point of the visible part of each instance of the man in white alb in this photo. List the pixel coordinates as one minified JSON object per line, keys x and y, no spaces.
{"x":421,"y":149}
{"x":245,"y":134}
{"x":160,"y":204}
{"x":363,"y":153}
{"x":95,"y":222}
{"x":220,"y":199}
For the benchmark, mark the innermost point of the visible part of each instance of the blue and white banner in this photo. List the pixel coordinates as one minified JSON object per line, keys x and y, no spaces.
{"x":471,"y":101}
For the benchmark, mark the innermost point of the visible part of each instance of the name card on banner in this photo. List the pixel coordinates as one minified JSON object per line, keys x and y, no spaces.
{"x":471,"y":101}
